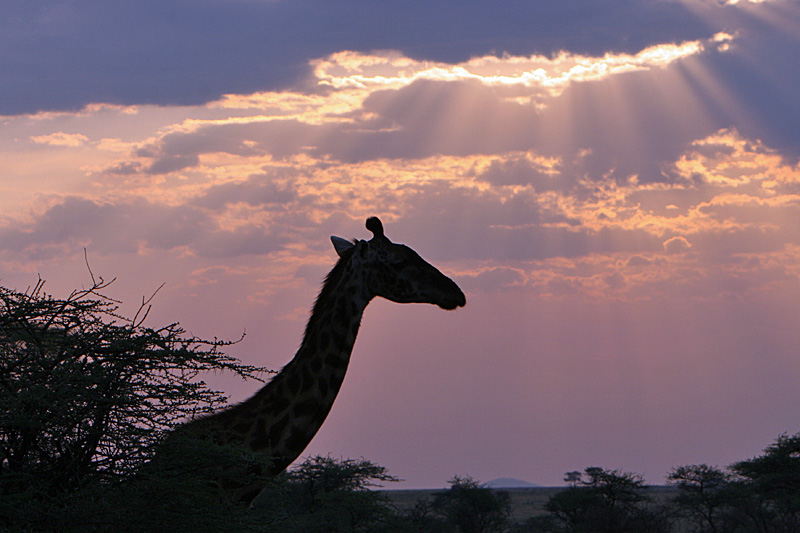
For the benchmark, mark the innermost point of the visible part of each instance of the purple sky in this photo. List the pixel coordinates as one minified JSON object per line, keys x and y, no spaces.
{"x":615,"y":186}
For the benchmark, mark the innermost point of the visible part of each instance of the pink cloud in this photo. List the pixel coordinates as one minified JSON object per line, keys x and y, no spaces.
{"x":677,"y":245}
{"x":61,"y":139}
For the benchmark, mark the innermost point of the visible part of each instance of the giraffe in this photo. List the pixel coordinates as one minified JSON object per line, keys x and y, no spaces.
{"x":282,"y":417}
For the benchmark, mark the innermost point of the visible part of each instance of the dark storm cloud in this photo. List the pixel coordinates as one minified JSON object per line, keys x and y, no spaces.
{"x":763,"y":77}
{"x":64,"y":55}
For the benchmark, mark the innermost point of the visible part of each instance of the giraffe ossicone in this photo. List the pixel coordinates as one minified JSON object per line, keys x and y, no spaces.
{"x":283,"y":416}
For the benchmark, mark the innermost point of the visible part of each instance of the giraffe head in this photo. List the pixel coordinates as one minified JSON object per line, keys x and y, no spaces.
{"x":396,"y":272}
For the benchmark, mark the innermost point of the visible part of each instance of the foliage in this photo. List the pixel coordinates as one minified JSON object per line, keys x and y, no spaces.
{"x":573,"y":478}
{"x":770,"y":486}
{"x":325,"y":494}
{"x":421,"y":518}
{"x":608,"y":500}
{"x":86,"y":394}
{"x":707,"y":499}
{"x":761,"y":494}
{"x":471,"y":508}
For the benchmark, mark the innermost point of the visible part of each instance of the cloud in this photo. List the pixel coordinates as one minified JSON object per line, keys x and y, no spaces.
{"x":61,"y":139}
{"x":637,"y":261}
{"x":391,"y":106}
{"x":725,"y":193}
{"x":542,"y":173}
{"x":52,"y":59}
{"x":274,"y":188}
{"x":725,"y":158}
{"x":551,"y":76}
{"x":179,"y":150}
{"x":129,"y":227}
{"x":511,"y":157}
{"x":493,"y":278}
{"x":677,"y":244}
{"x":734,"y":2}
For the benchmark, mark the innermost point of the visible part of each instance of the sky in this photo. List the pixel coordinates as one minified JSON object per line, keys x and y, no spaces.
{"x":614,"y":185}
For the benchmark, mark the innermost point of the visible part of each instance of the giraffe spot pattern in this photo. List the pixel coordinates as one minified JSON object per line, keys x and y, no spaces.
{"x":297,"y":439}
{"x":305,"y":409}
{"x":293,"y":382}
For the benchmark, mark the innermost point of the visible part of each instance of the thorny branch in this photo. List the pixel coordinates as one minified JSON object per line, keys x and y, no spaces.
{"x":86,"y":393}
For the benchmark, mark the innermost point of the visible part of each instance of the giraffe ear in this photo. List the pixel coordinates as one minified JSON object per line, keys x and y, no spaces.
{"x":341,"y":245}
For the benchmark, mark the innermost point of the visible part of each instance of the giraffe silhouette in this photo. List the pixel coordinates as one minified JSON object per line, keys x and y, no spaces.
{"x":283,"y":416}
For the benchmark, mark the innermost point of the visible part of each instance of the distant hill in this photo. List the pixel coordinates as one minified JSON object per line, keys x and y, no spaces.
{"x":508,"y":483}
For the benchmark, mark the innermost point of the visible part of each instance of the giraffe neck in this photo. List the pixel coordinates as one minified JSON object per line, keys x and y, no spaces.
{"x":284,"y":415}
{"x":315,"y":375}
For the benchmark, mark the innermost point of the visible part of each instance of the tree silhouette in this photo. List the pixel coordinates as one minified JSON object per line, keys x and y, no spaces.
{"x":86,"y":394}
{"x":608,"y":501}
{"x":471,"y":508}
{"x":770,"y":485}
{"x":573,"y":478}
{"x":706,"y":498}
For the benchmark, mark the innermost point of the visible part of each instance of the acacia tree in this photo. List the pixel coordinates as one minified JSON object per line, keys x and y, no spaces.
{"x":573,"y":478}
{"x":609,"y":500}
{"x":471,"y":508}
{"x":770,"y":485}
{"x":86,"y":394}
{"x":707,"y":498}
{"x":327,"y":494}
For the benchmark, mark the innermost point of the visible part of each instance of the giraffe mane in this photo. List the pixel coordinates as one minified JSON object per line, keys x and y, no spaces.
{"x":328,"y":285}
